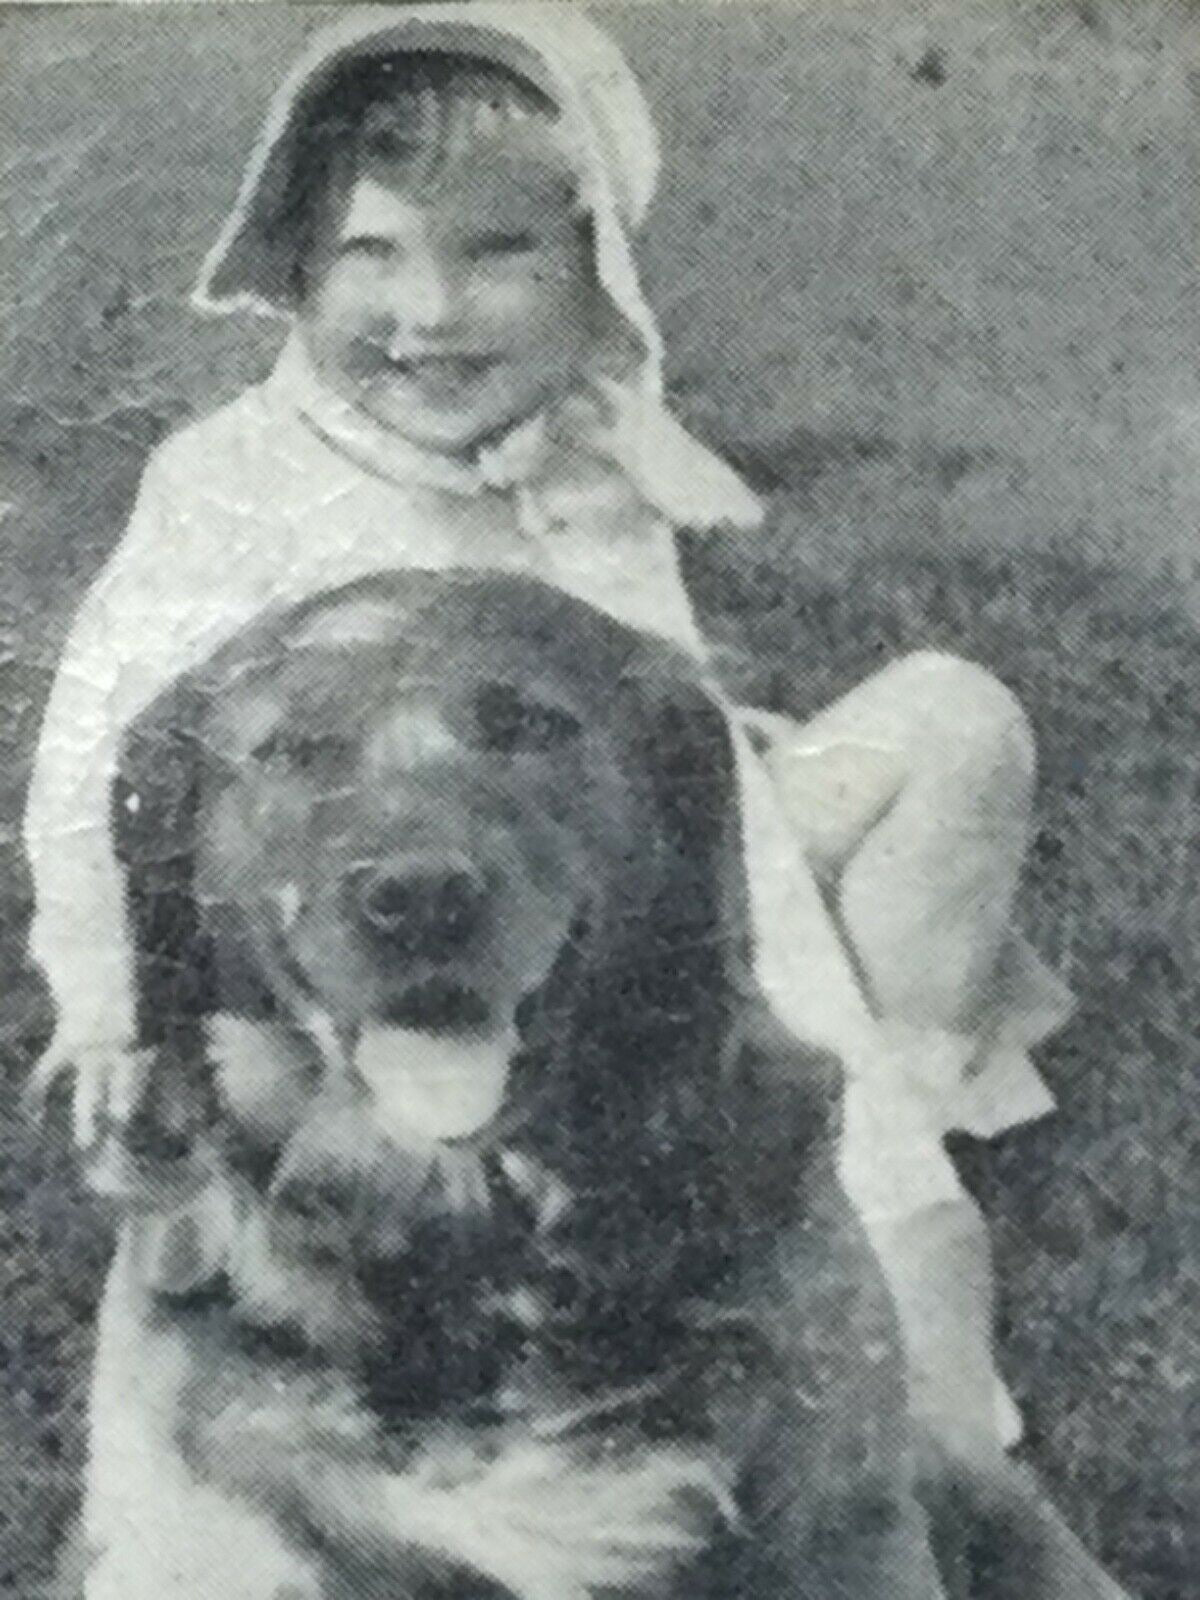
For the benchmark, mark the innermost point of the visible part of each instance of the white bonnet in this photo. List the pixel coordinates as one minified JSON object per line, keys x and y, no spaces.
{"x":555,"y":46}
{"x":606,"y":125}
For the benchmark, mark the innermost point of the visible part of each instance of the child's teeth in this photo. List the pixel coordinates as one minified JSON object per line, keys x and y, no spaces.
{"x":454,"y":366}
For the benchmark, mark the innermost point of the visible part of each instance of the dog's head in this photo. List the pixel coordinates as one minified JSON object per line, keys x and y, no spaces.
{"x":469,"y":850}
{"x":438,"y":816}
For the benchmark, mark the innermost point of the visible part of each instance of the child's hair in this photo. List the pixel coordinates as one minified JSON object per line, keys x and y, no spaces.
{"x":424,"y":111}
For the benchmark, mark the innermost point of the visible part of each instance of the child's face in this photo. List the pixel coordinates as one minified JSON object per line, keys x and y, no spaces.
{"x":449,"y":316}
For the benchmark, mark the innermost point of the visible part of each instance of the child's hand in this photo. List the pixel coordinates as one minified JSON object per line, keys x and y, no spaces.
{"x":137,"y":1114}
{"x":108,"y":1078}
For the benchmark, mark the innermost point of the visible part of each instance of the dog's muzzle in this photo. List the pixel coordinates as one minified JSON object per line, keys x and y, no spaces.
{"x":422,"y":908}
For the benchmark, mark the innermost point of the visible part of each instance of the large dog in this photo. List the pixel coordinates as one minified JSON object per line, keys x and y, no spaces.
{"x":487,"y":1238}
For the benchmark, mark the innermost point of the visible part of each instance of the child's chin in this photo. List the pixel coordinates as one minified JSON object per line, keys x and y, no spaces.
{"x":454,"y":430}
{"x":447,"y":431}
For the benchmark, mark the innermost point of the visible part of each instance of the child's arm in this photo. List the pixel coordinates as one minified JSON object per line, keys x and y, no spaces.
{"x":117,"y":656}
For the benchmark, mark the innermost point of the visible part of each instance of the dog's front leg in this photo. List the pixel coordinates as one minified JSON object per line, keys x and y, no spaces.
{"x":154,"y":1528}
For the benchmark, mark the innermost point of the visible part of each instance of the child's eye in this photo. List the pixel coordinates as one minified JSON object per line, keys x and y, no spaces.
{"x":519,"y":242}
{"x":366,"y":247}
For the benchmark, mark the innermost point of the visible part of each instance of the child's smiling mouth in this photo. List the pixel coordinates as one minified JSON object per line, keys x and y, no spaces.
{"x":436,"y":372}
{"x":441,"y":381}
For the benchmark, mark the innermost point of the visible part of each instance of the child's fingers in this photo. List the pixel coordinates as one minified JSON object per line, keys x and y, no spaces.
{"x":109,"y":1084}
{"x":89,"y":1103}
{"x":126,"y":1072}
{"x":40,"y":1084}
{"x":89,"y":1096}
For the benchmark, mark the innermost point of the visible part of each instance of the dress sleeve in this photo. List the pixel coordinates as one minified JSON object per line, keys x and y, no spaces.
{"x":112,"y":666}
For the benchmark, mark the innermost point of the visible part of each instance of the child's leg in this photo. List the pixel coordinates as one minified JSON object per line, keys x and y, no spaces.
{"x":933,"y":1247}
{"x":938,"y":1265}
{"x":912,"y":798}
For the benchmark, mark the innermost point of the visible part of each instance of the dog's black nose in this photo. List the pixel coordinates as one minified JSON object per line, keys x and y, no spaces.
{"x":428,"y":912}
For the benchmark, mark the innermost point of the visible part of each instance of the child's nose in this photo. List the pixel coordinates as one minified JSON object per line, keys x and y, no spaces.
{"x":426,"y":296}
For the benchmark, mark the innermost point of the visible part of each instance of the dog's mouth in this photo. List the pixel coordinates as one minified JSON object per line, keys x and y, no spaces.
{"x":433,"y":1040}
{"x":439,"y":1006}
{"x":435,"y":1052}
{"x":446,"y":1000}
{"x":431,"y":1085}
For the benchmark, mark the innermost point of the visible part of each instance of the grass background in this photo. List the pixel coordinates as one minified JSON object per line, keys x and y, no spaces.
{"x":926,"y":269}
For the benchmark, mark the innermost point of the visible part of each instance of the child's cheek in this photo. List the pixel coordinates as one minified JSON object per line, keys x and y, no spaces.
{"x":348,"y":300}
{"x":342,"y":327}
{"x":553,"y":310}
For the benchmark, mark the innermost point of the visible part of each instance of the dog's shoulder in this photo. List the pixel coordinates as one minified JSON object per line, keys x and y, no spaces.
{"x":782,"y":1103}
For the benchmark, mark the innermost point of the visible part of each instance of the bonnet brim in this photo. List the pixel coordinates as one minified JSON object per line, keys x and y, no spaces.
{"x":555,"y":47}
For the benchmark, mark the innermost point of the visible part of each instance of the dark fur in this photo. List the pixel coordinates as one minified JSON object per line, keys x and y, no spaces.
{"x":707,"y":1254}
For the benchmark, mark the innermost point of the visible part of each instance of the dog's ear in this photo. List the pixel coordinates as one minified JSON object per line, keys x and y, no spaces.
{"x":654,"y":985}
{"x":689,"y":1001}
{"x":155,"y":802}
{"x":683,"y":756}
{"x":154,"y":795}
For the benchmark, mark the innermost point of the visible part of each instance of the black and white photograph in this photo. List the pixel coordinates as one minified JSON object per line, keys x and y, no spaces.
{"x":600,"y":774}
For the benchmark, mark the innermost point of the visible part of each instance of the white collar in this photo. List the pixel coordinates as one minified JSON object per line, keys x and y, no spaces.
{"x":608,"y":434}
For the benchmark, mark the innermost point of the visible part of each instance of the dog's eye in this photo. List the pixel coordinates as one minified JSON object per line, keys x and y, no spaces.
{"x":297,"y":752}
{"x":510,"y":724}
